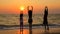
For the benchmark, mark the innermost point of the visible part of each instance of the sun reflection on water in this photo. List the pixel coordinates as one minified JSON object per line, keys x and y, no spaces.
{"x":25,"y":31}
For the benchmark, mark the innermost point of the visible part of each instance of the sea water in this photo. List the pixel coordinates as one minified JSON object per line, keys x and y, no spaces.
{"x":14,"y":19}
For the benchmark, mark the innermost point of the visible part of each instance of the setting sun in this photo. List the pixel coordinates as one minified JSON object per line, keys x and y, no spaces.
{"x":22,"y":8}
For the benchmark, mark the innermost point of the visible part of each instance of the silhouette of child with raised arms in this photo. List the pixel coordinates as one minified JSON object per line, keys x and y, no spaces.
{"x":30,"y":9}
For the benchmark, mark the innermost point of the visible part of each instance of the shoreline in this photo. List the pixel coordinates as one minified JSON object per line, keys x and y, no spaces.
{"x":34,"y":31}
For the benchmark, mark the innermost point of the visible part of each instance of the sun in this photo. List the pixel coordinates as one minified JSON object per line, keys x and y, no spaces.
{"x":22,"y":8}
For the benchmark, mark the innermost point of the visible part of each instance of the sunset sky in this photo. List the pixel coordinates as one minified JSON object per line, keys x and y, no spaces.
{"x":13,"y":6}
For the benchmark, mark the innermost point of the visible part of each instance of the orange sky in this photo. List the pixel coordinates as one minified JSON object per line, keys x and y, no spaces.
{"x":12,"y":6}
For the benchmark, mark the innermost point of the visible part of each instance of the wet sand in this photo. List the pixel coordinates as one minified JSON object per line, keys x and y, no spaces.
{"x":34,"y":31}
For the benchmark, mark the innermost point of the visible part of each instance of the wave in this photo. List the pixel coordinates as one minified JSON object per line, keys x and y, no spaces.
{"x":27,"y":26}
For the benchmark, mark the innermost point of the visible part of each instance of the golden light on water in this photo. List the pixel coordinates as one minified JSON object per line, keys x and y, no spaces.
{"x":25,"y":31}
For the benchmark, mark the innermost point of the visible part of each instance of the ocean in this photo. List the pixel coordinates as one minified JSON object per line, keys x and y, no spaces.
{"x":14,"y":19}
